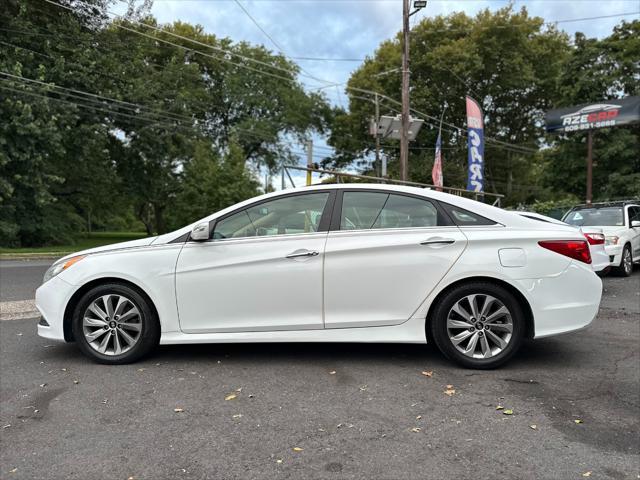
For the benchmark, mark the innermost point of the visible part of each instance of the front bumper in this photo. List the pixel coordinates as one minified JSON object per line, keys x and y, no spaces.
{"x":52,"y":298}
{"x":565,"y":302}
{"x":615,"y":254}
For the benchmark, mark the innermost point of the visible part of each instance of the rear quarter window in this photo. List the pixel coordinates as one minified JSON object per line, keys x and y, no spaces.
{"x":465,"y":218}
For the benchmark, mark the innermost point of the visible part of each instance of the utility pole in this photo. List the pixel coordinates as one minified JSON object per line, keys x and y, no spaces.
{"x":378,"y":166}
{"x":309,"y":159}
{"x":589,"y":166}
{"x":404,"y":134}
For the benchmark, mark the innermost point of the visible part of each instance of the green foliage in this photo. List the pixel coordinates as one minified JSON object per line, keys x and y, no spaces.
{"x":554,"y":208}
{"x":506,"y":59}
{"x":159,"y":118}
{"x":599,"y":70}
{"x":211,"y":184}
{"x":518,"y":68}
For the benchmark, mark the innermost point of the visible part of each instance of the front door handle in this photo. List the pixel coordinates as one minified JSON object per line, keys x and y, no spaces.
{"x":438,"y":241}
{"x":303,"y":253}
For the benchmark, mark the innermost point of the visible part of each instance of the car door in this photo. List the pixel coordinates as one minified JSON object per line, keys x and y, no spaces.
{"x":384,"y":254}
{"x":634,"y":214}
{"x":261,"y":269}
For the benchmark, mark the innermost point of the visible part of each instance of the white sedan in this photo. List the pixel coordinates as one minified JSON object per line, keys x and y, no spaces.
{"x":330,"y":263}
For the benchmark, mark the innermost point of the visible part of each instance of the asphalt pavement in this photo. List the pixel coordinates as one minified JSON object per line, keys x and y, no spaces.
{"x":333,"y":411}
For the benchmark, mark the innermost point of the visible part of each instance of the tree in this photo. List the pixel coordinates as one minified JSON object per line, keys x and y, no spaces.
{"x":599,"y":70}
{"x":507,"y":60}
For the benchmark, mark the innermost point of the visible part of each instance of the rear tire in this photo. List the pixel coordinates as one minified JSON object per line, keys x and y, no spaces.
{"x":478,"y":325}
{"x":625,"y":269}
{"x":115,"y":324}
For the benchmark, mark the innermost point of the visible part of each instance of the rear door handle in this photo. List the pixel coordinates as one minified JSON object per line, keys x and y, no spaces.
{"x":438,"y":241}
{"x":303,"y":253}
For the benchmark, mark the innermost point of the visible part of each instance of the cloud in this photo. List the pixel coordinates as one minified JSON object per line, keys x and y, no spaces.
{"x":355,"y":28}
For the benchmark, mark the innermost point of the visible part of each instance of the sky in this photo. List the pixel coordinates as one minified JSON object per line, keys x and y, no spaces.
{"x":353,"y":29}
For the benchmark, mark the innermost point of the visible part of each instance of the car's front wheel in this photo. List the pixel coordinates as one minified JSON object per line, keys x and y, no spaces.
{"x":478,"y":325}
{"x":115,"y":324}
{"x":626,"y":262}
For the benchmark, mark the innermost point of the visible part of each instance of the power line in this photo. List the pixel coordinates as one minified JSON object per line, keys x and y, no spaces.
{"x":272,"y":40}
{"x":457,"y":129}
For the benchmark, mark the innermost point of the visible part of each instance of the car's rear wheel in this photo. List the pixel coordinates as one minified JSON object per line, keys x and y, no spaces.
{"x":115,"y":324}
{"x":478,"y":325}
{"x":626,"y":263}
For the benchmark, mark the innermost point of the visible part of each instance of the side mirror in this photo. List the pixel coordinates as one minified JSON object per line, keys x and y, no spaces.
{"x":635,"y":223}
{"x":200,"y":232}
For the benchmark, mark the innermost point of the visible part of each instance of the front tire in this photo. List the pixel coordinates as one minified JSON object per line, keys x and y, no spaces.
{"x":478,"y":325}
{"x":115,"y":324}
{"x":625,"y":269}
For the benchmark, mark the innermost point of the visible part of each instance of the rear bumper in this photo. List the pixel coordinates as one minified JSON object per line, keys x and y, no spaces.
{"x":563,"y":303}
{"x":51,"y":300}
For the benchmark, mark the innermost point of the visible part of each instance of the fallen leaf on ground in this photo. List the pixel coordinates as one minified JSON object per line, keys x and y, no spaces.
{"x":427,"y":374}
{"x":230,"y":396}
{"x":586,"y":474}
{"x":297,"y":449}
{"x":416,"y":430}
{"x":499,"y":407}
{"x":450,"y":390}
{"x":178,"y":410}
{"x":533,"y":427}
{"x":577,"y":421}
{"x":507,"y":412}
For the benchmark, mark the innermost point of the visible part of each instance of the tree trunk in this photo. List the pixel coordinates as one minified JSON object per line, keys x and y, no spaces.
{"x":158,"y":211}
{"x":142,"y":213}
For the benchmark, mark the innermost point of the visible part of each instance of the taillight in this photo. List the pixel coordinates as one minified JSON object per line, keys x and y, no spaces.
{"x":576,"y":249}
{"x":595,"y":238}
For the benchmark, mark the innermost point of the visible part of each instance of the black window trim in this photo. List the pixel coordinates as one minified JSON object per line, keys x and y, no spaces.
{"x":337,"y":209}
{"x":447,"y":206}
{"x":323,"y":226}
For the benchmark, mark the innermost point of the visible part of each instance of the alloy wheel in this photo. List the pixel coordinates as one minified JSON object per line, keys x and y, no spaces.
{"x":627,"y":261}
{"x":479,"y":326}
{"x":112,"y":324}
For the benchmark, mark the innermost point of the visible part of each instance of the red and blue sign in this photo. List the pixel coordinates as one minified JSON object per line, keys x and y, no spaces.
{"x":475,"y":126}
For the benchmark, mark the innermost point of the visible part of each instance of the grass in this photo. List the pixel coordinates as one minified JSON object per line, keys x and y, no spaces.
{"x":84,"y":241}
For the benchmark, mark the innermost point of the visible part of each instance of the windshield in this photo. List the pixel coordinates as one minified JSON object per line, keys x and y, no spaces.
{"x":595,"y":217}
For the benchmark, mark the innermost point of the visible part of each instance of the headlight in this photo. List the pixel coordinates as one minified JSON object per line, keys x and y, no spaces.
{"x":59,"y":267}
{"x":612,"y":240}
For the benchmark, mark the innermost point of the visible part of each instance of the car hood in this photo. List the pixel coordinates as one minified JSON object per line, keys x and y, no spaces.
{"x":141,"y":242}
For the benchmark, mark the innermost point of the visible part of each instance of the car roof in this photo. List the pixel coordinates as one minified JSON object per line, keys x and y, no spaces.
{"x":618,"y":203}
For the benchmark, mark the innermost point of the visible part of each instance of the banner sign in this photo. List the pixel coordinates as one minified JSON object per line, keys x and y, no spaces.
{"x":608,"y":113}
{"x":436,"y":171}
{"x":475,"y":125}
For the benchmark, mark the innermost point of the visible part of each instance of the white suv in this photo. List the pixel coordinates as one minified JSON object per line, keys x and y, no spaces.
{"x":620,"y":223}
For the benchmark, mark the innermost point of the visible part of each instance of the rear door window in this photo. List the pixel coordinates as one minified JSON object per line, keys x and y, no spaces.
{"x":376,"y":210}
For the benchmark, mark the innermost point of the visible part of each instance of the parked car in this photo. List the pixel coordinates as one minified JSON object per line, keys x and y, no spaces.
{"x":595,"y":237}
{"x":330,"y":263}
{"x":620,"y":222}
